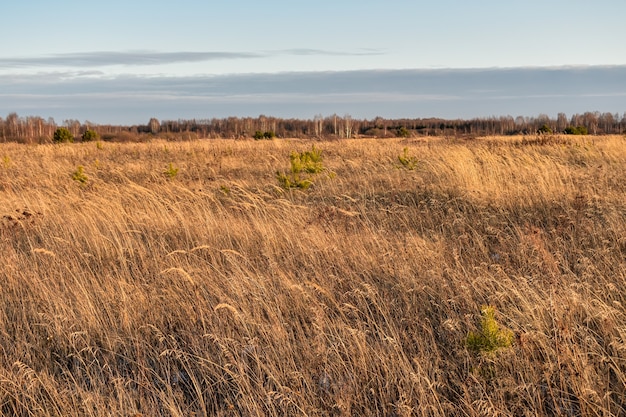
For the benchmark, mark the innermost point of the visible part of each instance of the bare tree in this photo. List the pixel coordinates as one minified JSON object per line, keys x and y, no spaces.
{"x":561,"y":122}
{"x":73,"y":126}
{"x":319,"y":125}
{"x":13,"y":126}
{"x":348,"y":125}
{"x":154,"y":126}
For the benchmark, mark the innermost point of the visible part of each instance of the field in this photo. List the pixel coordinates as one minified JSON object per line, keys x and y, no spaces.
{"x":180,"y":278}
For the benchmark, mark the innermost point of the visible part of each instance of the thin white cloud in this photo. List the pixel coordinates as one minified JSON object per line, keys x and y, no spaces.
{"x":107,"y":58}
{"x":152,"y":58}
{"x":305,"y":51}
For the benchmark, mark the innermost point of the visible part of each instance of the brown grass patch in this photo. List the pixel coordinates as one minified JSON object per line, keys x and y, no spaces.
{"x":219,"y":293}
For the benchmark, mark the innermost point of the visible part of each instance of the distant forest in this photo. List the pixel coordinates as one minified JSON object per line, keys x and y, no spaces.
{"x":33,"y":129}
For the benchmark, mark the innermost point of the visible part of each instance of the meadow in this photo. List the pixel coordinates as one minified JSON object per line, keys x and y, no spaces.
{"x":182,"y":279}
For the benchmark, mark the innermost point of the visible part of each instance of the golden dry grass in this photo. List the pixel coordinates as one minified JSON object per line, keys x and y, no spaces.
{"x":218,"y":293}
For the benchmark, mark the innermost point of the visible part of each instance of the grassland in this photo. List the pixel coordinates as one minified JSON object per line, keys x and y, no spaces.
{"x":211,"y":291}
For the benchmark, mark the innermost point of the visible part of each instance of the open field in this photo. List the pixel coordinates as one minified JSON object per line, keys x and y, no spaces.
{"x":213,"y":291}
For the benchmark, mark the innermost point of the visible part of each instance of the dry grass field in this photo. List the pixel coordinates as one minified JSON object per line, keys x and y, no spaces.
{"x":212,"y":291}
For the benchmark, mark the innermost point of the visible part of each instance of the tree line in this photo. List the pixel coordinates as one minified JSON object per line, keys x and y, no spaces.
{"x":34,"y":129}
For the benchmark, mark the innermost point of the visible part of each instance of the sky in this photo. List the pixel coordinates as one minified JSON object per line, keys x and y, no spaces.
{"x":126,"y":61}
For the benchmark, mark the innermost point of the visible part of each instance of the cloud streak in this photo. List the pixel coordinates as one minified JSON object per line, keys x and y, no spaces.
{"x":152,"y":58}
{"x":88,"y":95}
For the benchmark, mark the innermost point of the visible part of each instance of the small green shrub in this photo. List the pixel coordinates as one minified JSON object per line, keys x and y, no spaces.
{"x":303,"y":166}
{"x":89,"y":135}
{"x":258,"y":135}
{"x":6,"y":161}
{"x":491,"y":336}
{"x":576,"y":130}
{"x":62,"y":134}
{"x":79,"y":175}
{"x":99,"y":145}
{"x":171,"y":172}
{"x":544,"y":129}
{"x":406,"y":161}
{"x":293,"y":181}
{"x":307,"y":161}
{"x":403,"y":132}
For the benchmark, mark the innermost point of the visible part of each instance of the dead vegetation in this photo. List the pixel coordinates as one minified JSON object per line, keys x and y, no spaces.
{"x":217,"y":292}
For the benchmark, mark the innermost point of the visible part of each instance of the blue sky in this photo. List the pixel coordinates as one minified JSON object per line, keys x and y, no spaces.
{"x":123,"y":61}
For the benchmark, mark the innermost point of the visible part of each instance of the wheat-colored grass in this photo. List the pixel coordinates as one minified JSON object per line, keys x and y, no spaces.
{"x":218,"y":293}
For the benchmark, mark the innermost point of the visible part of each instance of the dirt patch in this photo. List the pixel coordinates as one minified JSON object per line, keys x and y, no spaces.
{"x":18,"y":217}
